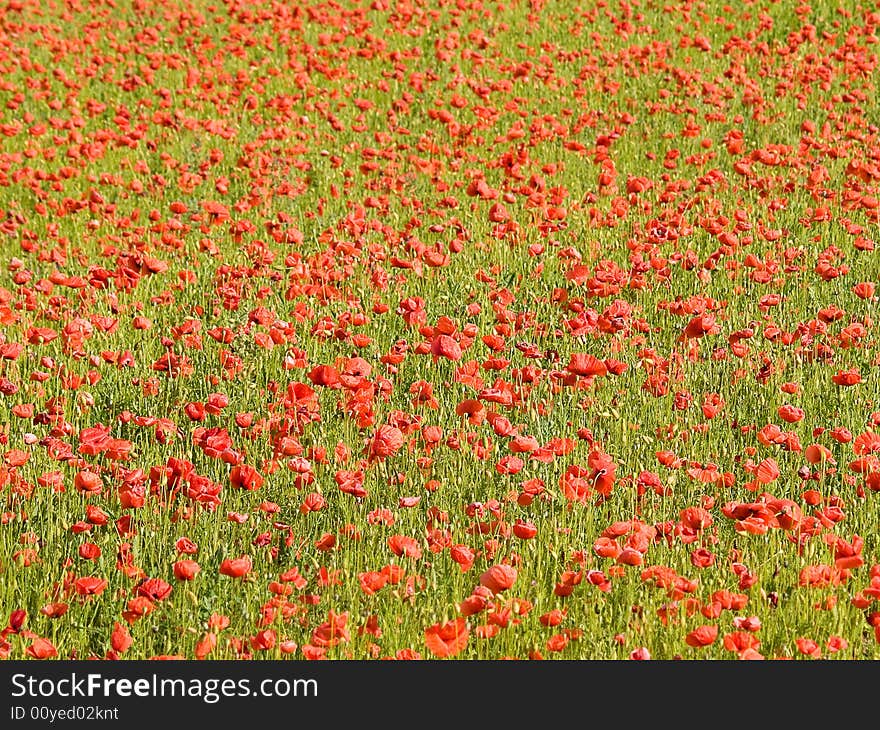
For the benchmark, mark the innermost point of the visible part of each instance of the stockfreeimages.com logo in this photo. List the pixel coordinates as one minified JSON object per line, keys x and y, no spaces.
{"x":208,"y":690}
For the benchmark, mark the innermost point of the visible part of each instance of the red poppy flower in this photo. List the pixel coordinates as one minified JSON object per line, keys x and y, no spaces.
{"x":246,"y":477}
{"x":607,"y":547}
{"x":41,"y":649}
{"x":498,"y":213}
{"x":739,"y":641}
{"x":790,"y":413}
{"x":445,"y":346}
{"x":447,"y":639}
{"x":524,"y":530}
{"x":205,"y":645}
{"x":702,"y":558}
{"x":325,"y":376}
{"x":629,"y":556}
{"x":603,"y":472}
{"x":331,"y":632}
{"x":263,"y":640}
{"x":236,"y":567}
{"x":401,"y":545}
{"x":809,"y":648}
{"x":186,"y":569}
{"x":155,"y":589}
{"x":585,"y":364}
{"x":767,"y":471}
{"x":750,"y":654}
{"x":120,"y":638}
{"x":462,"y":555}
{"x":557,"y":642}
{"x":499,"y":578}
{"x":90,"y":586}
{"x":509,"y":465}
{"x":699,"y":326}
{"x":702,"y":636}
{"x":89,"y":551}
{"x":846,"y":378}
{"x":386,"y":441}
{"x":867,"y":443}
{"x":88,"y":482}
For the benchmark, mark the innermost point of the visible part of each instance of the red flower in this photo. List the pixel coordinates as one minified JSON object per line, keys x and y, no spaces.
{"x":499,"y":578}
{"x":866,"y":443}
{"x":462,"y":555}
{"x":447,"y":639}
{"x":699,"y":326}
{"x":606,"y":547}
{"x":332,"y":631}
{"x":186,"y":569}
{"x":739,"y":641}
{"x":603,"y":472}
{"x":205,"y":645}
{"x":41,"y":649}
{"x":120,"y":639}
{"x":557,"y":642}
{"x":313,"y":502}
{"x":246,"y":477}
{"x":498,"y":213}
{"x":525,"y":530}
{"x":401,"y":545}
{"x":473,"y":410}
{"x":94,"y":440}
{"x":88,"y":482}
{"x":791,"y":414}
{"x":713,"y":404}
{"x":386,"y":442}
{"x":846,"y":378}
{"x":17,"y":619}
{"x":54,"y":610}
{"x":155,"y":589}
{"x":137,"y":608}
{"x":186,"y":546}
{"x":236,"y":567}
{"x":90,"y":586}
{"x":767,"y":471}
{"x":629,"y":556}
{"x":89,"y":551}
{"x":263,"y":640}
{"x":702,"y":636}
{"x":809,"y":648}
{"x":582,"y":363}
{"x":325,"y":376}
{"x":445,"y":346}
{"x":553,"y":618}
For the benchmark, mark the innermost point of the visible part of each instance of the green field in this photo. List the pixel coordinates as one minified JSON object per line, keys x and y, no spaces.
{"x":422,"y":329}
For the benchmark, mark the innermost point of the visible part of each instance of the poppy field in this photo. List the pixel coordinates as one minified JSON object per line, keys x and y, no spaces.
{"x":377,"y":329}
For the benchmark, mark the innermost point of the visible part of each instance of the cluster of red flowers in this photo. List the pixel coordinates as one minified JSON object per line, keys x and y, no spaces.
{"x":354,"y":329}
